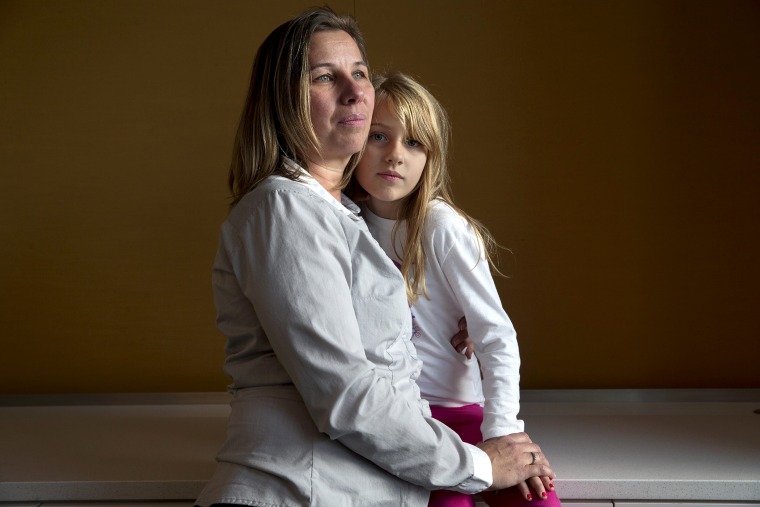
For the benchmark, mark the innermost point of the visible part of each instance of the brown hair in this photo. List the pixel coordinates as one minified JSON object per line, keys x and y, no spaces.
{"x":275,"y":121}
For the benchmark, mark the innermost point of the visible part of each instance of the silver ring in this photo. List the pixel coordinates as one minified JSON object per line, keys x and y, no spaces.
{"x":533,"y":455}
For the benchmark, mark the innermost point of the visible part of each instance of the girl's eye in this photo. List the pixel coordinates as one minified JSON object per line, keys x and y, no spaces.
{"x":413,"y":143}
{"x":376,"y":136}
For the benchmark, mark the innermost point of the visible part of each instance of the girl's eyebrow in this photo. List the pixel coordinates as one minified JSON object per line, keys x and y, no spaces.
{"x":378,"y":124}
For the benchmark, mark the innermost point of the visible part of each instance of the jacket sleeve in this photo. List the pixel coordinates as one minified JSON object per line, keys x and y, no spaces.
{"x":494,"y":338}
{"x":293,"y":263}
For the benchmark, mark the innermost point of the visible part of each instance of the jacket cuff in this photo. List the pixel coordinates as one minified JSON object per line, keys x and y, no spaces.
{"x":482,"y":474}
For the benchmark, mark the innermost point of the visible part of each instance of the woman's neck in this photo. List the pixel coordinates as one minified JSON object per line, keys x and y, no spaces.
{"x":328,"y":175}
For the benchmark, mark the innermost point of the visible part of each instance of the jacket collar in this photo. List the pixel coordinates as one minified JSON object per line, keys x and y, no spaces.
{"x":345,"y":206}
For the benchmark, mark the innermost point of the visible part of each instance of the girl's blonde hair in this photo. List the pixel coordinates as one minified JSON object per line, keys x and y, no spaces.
{"x":276,"y":120}
{"x":425,"y":121}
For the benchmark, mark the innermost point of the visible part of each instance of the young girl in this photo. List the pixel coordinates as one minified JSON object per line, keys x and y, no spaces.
{"x":445,"y":258}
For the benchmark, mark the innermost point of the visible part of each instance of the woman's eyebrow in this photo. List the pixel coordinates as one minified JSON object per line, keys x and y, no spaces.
{"x":359,"y":63}
{"x":319,"y":66}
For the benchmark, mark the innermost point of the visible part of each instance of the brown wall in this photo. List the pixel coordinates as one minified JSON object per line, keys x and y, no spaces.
{"x":611,"y":146}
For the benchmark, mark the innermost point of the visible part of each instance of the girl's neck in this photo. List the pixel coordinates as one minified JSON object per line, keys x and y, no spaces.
{"x":384,"y":209}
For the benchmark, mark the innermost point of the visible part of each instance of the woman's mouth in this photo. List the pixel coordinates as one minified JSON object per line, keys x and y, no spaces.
{"x":354,"y":120}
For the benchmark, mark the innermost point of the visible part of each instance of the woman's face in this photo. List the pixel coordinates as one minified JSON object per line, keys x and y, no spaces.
{"x":342,"y":97}
{"x":392,"y":163}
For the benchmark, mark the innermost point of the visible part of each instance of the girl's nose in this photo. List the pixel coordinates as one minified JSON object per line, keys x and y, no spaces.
{"x":395,"y":154}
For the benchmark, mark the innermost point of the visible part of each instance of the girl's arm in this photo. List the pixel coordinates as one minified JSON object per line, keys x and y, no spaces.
{"x":489,"y":327}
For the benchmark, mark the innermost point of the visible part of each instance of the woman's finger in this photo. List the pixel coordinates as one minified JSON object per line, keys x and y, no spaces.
{"x":539,"y":468}
{"x":523,"y":438}
{"x":462,"y":343}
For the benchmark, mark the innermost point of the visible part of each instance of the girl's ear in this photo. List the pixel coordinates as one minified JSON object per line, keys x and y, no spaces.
{"x":417,"y":189}
{"x":356,"y":192}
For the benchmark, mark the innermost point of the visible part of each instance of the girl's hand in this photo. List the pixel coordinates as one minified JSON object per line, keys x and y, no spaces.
{"x":536,"y":487}
{"x":461,"y":341}
{"x":548,"y":482}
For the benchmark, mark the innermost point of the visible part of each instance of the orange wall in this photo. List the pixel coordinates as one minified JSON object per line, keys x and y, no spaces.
{"x":611,"y":146}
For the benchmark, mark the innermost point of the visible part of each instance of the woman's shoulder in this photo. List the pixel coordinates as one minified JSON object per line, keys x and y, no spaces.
{"x":272,"y":194}
{"x":275,"y":186}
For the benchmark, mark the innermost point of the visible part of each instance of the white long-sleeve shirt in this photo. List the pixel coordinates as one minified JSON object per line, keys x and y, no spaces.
{"x":459,"y":284}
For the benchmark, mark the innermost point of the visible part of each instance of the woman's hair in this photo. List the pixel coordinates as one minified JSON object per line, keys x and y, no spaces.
{"x":276,"y":120}
{"x":426,"y":121}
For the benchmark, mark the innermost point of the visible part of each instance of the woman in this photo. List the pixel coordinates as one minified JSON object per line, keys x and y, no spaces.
{"x":325,"y":408}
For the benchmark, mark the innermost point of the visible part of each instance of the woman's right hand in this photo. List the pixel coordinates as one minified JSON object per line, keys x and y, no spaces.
{"x":515,"y":459}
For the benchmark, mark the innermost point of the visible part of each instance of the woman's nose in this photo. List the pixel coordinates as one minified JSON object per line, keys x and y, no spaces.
{"x":353,"y":92}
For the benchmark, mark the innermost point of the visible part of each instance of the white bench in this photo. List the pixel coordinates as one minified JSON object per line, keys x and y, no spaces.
{"x":624,"y":447}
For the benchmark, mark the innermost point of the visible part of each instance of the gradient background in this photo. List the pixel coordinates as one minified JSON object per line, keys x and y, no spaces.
{"x":612,"y":146}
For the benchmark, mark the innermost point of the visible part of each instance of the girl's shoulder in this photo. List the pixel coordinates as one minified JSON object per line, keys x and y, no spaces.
{"x":441,"y":215}
{"x":445,"y":227}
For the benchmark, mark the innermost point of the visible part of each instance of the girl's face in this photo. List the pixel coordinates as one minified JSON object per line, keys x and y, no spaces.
{"x":342,"y":97}
{"x":392,"y":164}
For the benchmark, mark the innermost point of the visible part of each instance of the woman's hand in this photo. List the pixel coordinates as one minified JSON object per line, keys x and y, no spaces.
{"x":515,"y":460}
{"x":461,"y":341}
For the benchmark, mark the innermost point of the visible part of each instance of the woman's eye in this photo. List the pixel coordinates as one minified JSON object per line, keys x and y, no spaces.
{"x":359,"y":74}
{"x":324,"y":78}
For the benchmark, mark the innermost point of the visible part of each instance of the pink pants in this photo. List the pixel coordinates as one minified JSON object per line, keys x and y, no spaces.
{"x":466,"y":422}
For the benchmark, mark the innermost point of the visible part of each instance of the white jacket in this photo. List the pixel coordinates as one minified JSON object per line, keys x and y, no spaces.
{"x":326,"y":411}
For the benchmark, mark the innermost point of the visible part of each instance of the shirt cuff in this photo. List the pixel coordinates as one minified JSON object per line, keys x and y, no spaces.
{"x":482,"y":475}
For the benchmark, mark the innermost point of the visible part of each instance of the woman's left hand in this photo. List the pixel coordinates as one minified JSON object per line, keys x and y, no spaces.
{"x":462,"y":341}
